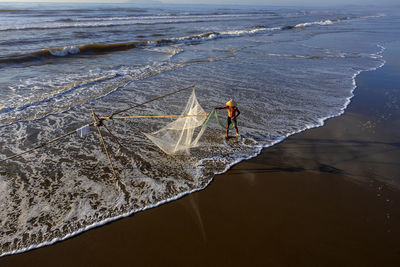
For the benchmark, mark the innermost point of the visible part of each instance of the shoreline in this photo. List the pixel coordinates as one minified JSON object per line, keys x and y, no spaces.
{"x":322,"y":122}
{"x":278,"y":160}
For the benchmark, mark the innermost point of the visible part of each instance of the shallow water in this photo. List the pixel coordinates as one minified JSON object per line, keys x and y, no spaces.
{"x":288,"y":69}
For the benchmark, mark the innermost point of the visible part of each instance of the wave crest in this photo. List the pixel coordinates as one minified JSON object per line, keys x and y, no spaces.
{"x":62,"y":52}
{"x":322,"y":22}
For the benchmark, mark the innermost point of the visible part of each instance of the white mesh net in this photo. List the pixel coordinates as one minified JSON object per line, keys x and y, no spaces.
{"x":179,"y":134}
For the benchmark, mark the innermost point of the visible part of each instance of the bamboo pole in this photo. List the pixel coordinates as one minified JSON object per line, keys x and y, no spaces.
{"x":156,"y":116}
{"x":104,"y":144}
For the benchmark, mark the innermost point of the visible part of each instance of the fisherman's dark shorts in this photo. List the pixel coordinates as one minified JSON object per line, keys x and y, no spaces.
{"x":230,"y":120}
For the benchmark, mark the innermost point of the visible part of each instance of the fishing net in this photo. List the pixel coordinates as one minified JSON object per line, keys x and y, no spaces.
{"x":183,"y":133}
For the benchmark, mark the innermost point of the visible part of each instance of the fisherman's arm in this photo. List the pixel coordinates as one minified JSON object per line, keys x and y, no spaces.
{"x":221,"y":107}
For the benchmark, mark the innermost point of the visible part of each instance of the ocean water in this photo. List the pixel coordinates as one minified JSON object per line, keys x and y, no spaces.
{"x":289,"y":69}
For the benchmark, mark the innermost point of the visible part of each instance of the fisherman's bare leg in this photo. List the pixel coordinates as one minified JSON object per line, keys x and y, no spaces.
{"x":237,"y":131}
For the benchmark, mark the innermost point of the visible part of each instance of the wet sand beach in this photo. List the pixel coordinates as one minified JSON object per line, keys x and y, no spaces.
{"x":319,"y":198}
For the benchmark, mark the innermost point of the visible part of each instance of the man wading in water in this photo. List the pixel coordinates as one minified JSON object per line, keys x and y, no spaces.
{"x":233,"y":113}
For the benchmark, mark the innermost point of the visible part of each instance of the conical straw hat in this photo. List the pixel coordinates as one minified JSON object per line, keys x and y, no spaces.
{"x":231,"y":103}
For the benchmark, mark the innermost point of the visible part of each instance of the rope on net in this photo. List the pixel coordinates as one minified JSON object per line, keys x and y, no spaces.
{"x":98,"y":123}
{"x":233,"y":123}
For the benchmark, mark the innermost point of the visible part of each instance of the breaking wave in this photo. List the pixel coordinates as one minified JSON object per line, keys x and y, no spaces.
{"x":114,"y":47}
{"x":322,"y":22}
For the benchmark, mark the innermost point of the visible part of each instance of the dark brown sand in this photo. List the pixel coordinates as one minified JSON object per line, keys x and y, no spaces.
{"x":325,"y":197}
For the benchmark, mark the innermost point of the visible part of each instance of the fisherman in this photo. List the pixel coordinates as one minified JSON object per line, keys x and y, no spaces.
{"x":233,"y":113}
